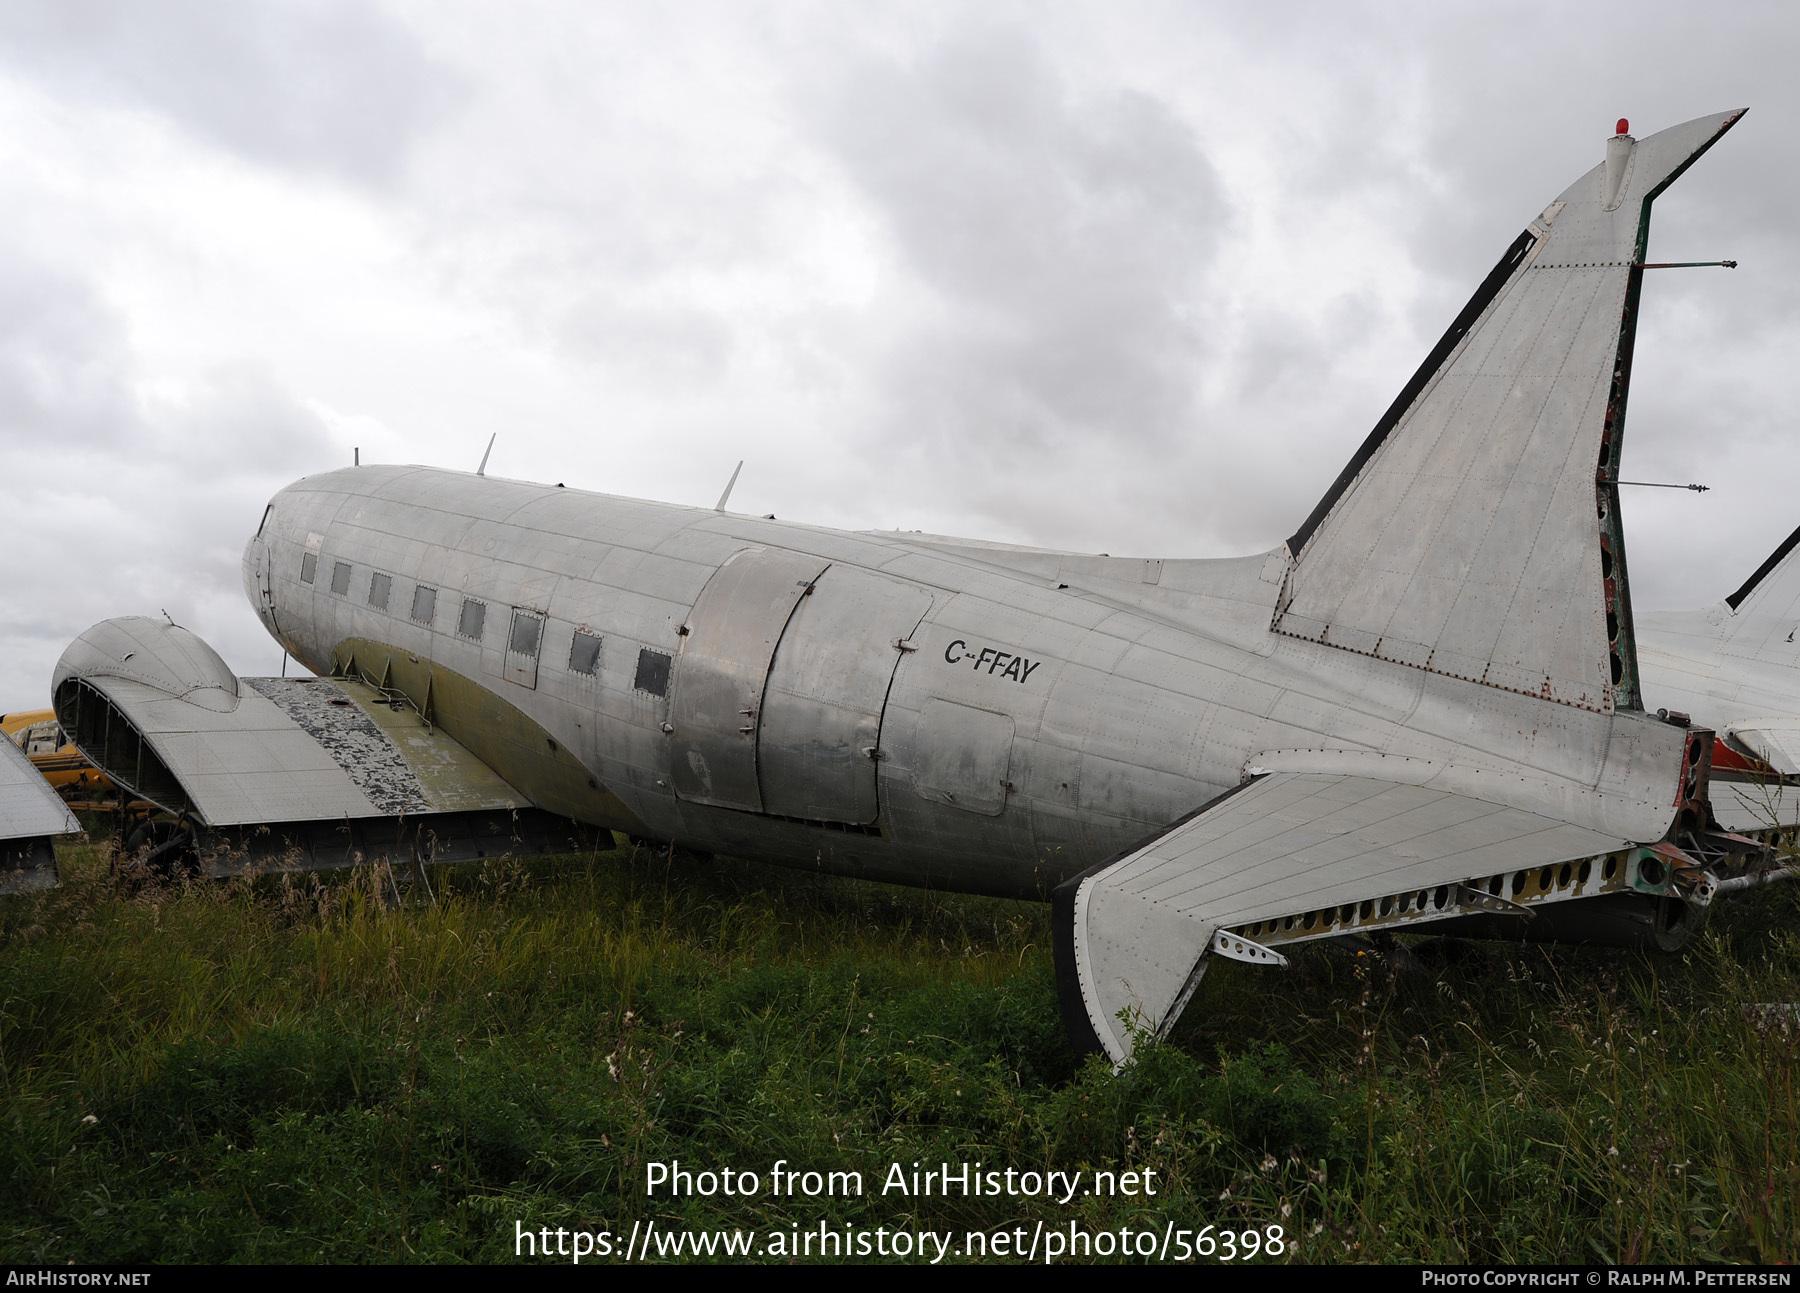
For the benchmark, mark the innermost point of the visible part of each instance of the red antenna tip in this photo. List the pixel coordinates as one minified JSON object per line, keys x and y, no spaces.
{"x":1624,"y":127}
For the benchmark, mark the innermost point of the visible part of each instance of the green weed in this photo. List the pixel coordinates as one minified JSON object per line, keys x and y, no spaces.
{"x":285,"y":1069}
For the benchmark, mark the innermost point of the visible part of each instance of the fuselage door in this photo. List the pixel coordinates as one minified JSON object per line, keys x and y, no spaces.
{"x":725,"y":654}
{"x":522,"y":647}
{"x":820,"y":735}
{"x":264,"y":577}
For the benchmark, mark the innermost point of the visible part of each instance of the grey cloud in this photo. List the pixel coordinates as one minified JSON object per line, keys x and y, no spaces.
{"x":1047,"y":362}
{"x":648,"y":343}
{"x":62,"y":349}
{"x":141,"y":522}
{"x":1064,"y":239}
{"x":334,"y":86}
{"x":241,"y":422}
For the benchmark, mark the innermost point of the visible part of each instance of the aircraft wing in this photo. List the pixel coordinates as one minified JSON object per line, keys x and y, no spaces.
{"x":296,"y":749}
{"x":1288,"y":856}
{"x":30,"y":814}
{"x":283,"y":772}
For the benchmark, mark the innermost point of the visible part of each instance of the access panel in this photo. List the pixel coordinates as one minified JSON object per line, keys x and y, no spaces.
{"x":964,"y":757}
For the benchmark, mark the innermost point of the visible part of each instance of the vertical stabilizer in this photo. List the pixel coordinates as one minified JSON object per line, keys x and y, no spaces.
{"x":1476,"y":532}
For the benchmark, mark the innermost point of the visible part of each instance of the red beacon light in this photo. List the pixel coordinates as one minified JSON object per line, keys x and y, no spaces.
{"x":1624,"y":127}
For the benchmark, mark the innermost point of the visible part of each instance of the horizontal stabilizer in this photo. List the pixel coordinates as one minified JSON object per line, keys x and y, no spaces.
{"x":1752,"y":799}
{"x":1753,"y":805}
{"x":1332,"y":853}
{"x":30,"y":816}
{"x":1777,"y":746}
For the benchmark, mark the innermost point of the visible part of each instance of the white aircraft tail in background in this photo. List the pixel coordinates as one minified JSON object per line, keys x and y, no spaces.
{"x":1735,"y":668}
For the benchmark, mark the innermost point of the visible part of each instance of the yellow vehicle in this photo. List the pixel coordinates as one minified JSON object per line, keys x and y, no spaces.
{"x":37,"y":732}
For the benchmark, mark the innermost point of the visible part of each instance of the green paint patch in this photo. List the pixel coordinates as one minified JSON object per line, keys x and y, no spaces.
{"x":452,"y":777}
{"x":500,"y":735}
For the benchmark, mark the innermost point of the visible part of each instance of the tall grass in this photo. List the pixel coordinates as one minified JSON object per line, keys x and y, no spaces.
{"x":288,"y":1069}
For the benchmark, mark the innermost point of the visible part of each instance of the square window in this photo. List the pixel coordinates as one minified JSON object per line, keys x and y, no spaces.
{"x":309,"y":567}
{"x":584,"y":653}
{"x":379,"y":588}
{"x":424,"y":607}
{"x":652,"y":672}
{"x":473,"y":618}
{"x":340,"y":579}
{"x":526,"y":627}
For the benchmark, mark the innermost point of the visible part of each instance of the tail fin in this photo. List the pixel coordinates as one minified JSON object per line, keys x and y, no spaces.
{"x":1476,"y":532}
{"x":1765,"y":612}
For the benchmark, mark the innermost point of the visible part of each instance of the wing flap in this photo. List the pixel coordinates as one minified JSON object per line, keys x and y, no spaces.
{"x":1133,"y":932}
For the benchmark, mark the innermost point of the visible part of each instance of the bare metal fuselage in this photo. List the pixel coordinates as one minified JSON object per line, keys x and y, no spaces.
{"x":899,"y":707}
{"x":1424,"y":708}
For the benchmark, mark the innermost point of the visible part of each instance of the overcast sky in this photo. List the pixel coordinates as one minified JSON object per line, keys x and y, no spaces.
{"x":1133,"y":278}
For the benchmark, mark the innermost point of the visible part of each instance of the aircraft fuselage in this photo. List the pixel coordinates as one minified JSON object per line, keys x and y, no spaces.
{"x":895,"y":706}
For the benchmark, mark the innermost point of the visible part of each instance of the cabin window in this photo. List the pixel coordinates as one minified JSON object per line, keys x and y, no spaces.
{"x":525,"y":630}
{"x":584,"y":653}
{"x":424,"y":607}
{"x":472,"y":620}
{"x":309,"y":567}
{"x":264,"y":523}
{"x":340,"y":579}
{"x":379,"y":588}
{"x":652,"y":672}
